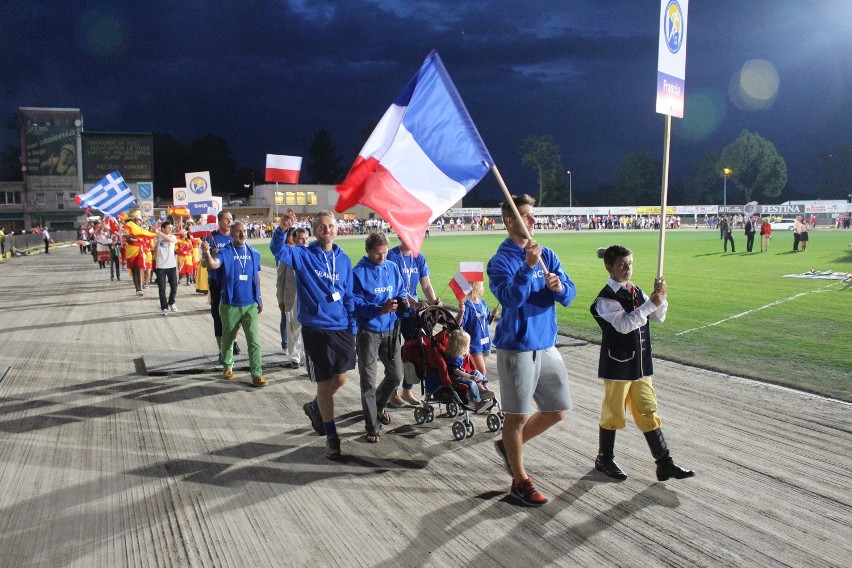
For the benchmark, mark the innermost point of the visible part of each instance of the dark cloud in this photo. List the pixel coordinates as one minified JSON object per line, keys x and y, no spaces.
{"x":266,"y":75}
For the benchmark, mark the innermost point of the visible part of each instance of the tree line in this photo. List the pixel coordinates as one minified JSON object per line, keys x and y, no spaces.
{"x":756,"y":172}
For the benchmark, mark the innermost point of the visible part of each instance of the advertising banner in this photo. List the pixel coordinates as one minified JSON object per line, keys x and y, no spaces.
{"x":49,"y":139}
{"x":131,"y":154}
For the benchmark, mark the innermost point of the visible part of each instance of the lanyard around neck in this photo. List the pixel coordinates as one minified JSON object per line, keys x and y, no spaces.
{"x":242,"y":260}
{"x":330,"y":270}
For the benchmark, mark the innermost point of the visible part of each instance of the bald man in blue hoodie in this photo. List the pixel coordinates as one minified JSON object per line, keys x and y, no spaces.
{"x":326,"y":312}
{"x":378,"y":290}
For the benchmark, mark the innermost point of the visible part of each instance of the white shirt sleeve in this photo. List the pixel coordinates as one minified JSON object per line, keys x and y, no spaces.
{"x":624,"y":322}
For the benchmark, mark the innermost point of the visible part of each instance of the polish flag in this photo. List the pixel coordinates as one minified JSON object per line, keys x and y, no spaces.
{"x":284,"y":169}
{"x":207,"y":225}
{"x":472,"y":271}
{"x":424,"y":155}
{"x":460,"y":286}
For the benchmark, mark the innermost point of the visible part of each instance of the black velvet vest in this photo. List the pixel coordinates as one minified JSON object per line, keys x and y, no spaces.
{"x":624,"y":356}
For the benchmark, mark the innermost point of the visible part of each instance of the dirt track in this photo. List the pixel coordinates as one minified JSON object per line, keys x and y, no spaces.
{"x":102,"y":465}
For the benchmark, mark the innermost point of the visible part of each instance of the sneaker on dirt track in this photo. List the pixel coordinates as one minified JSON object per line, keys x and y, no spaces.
{"x":526,"y":492}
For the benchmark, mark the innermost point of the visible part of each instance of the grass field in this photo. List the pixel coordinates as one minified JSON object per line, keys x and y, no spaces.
{"x":733,"y":313}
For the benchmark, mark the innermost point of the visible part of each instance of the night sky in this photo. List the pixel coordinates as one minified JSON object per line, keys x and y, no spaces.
{"x":265,"y":76}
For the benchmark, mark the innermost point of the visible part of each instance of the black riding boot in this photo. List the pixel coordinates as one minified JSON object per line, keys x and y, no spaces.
{"x":605,"y":462}
{"x":666,"y":467}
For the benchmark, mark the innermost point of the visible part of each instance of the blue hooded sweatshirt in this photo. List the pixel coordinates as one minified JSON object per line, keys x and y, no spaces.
{"x":528,"y":321}
{"x":320,"y":276}
{"x":374,"y":285}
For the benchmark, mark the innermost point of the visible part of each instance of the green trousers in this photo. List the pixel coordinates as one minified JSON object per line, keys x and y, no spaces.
{"x":232,"y":318}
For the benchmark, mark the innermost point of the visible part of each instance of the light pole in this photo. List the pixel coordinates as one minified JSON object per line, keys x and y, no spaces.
{"x":570,"y":193}
{"x":725,"y":173}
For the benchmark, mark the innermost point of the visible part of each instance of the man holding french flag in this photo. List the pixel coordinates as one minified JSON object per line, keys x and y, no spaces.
{"x":528,"y":281}
{"x":426,"y":154}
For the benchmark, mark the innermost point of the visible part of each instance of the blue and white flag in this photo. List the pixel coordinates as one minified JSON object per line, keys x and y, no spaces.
{"x":110,"y":196}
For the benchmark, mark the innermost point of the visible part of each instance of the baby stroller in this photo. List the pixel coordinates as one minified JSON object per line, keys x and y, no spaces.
{"x":425,"y":353}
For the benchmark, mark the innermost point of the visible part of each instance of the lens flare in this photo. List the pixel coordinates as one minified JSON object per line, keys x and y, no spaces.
{"x":705,"y":110}
{"x":755,"y":85}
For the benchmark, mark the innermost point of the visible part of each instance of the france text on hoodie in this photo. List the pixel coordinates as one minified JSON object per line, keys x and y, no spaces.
{"x":323,"y":283}
{"x":528,"y":319}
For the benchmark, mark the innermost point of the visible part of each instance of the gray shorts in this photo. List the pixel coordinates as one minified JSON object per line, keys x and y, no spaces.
{"x":527,"y":376}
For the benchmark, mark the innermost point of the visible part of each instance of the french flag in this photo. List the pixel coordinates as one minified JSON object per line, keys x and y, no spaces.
{"x":284,"y":169}
{"x":424,"y":155}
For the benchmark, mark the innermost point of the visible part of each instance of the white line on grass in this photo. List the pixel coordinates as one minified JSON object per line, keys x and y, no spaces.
{"x":769,"y":305}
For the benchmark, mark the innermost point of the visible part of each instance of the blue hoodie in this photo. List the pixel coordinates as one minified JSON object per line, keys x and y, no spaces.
{"x":374,"y":285}
{"x":528,"y":321}
{"x":314,"y":272}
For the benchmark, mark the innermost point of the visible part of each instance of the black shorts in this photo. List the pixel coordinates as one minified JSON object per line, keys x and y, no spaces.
{"x":331,"y":352}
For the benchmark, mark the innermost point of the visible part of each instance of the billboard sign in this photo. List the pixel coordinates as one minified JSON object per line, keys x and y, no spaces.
{"x":130,"y":153}
{"x":49,"y":139}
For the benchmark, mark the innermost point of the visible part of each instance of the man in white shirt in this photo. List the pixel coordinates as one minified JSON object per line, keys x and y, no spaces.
{"x":166,"y":267}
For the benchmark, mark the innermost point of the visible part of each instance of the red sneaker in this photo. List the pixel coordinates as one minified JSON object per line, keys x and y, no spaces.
{"x":526,"y":492}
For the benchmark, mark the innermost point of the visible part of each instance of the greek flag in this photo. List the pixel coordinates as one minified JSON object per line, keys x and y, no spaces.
{"x":110,"y":196}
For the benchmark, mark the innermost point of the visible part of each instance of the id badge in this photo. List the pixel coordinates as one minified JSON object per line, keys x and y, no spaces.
{"x":335,"y":297}
{"x":484,"y":341}
{"x":244,"y":277}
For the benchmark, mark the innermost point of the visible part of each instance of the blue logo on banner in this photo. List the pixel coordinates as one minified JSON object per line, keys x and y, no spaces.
{"x":673,"y":26}
{"x":145,"y":190}
{"x":198,"y":185}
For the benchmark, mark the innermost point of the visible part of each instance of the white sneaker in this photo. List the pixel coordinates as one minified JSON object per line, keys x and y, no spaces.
{"x":173,"y":308}
{"x":165,"y":312}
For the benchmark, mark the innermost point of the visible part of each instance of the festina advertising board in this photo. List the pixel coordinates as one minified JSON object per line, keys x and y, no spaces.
{"x":671,"y":61}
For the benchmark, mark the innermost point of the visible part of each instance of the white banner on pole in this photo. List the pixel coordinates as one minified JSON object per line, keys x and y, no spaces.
{"x":180,"y":196}
{"x":198,"y":184}
{"x":671,"y":63}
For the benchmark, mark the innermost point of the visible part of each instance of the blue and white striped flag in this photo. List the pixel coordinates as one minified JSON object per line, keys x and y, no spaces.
{"x":110,"y":196}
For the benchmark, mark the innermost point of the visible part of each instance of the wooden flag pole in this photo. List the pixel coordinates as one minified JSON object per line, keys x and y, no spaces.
{"x":517,"y":213}
{"x":664,"y":197}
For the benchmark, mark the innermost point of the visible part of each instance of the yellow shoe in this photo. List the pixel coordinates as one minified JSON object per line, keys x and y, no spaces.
{"x":259,"y":381}
{"x":228,"y":374}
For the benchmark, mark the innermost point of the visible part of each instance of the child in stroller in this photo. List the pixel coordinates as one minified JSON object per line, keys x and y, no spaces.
{"x":423,"y":358}
{"x":458,"y":347}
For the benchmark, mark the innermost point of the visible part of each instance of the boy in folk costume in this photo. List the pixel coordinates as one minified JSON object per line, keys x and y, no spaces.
{"x":626,"y":363}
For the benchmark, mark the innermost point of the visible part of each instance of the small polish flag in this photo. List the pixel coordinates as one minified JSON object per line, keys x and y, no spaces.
{"x":206,"y":229}
{"x":460,"y":286}
{"x":283,"y":168}
{"x":472,"y":271}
